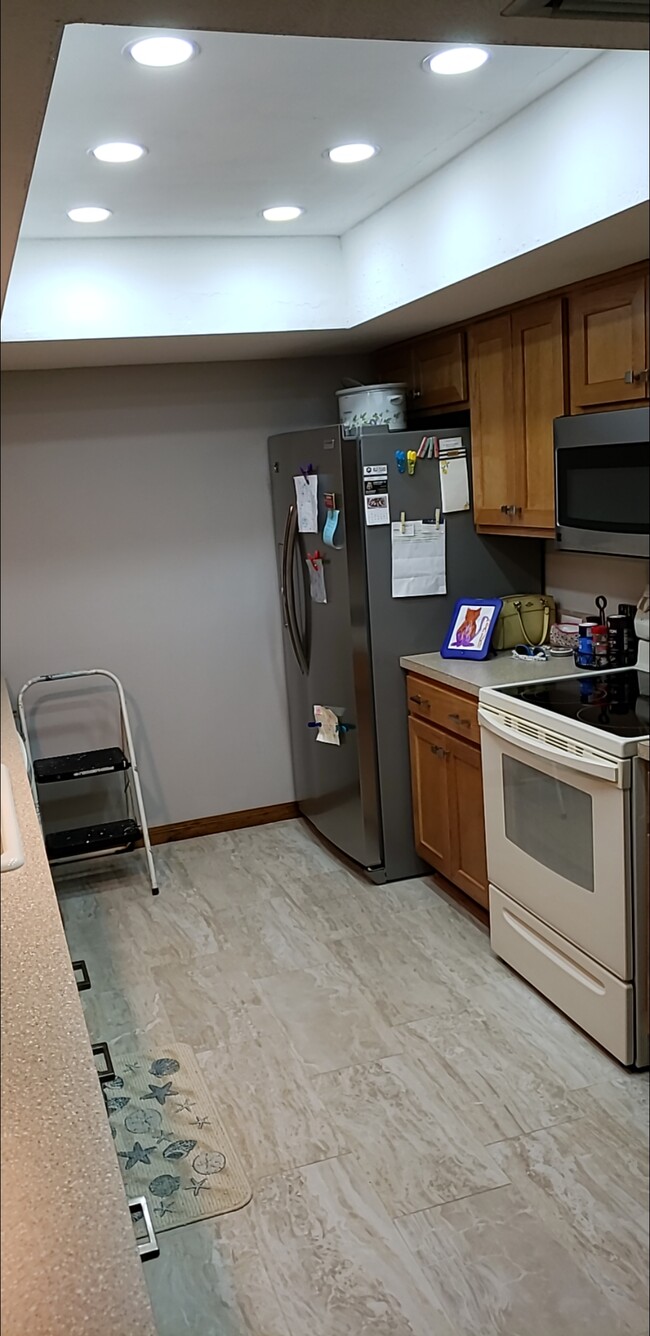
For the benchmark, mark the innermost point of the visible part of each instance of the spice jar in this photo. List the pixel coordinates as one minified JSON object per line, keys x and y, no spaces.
{"x":599,"y":643}
{"x":584,"y":652}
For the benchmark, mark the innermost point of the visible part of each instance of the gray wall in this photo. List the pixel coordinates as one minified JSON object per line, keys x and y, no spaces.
{"x":137,"y":536}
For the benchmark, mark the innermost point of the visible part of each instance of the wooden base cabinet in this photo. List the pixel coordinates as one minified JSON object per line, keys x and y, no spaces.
{"x":447,"y":789}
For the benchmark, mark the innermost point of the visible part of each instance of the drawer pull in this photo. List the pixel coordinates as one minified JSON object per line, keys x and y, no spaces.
{"x":417,"y":700}
{"x":108,"y":1071}
{"x":147,"y":1246}
{"x":465,"y":723}
{"x":439,"y":751}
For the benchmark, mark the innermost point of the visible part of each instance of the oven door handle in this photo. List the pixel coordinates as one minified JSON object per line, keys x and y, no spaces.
{"x":600,"y":768}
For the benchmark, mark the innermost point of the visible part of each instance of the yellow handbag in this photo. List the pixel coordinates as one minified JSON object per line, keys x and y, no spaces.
{"x":524,"y":619}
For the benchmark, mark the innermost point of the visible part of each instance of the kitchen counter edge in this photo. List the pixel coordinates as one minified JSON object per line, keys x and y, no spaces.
{"x":70,"y":1260}
{"x":469,"y":675}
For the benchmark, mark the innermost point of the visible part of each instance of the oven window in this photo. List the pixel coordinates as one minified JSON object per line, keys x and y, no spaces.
{"x":550,"y":821}
{"x":604,"y":487}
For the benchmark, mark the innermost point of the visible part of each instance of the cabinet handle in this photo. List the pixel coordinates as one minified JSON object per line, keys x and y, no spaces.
{"x":439,"y":751}
{"x":632,"y":376}
{"x":416,"y":394}
{"x":510,"y":510}
{"x":417,"y":700}
{"x":466,"y":723}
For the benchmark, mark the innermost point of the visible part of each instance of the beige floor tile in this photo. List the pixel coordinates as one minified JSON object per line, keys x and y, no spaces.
{"x":498,"y":1272}
{"x":210,"y":1281}
{"x":498,"y":1082}
{"x":269,"y":937}
{"x":415,"y":1150}
{"x":328,"y":1019}
{"x":624,"y":1102}
{"x":589,"y":1188}
{"x":127,"y":1019}
{"x":261,"y":1087}
{"x":339,"y":1264}
{"x":400,"y":974}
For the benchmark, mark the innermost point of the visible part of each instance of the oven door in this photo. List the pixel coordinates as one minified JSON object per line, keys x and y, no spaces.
{"x":558,"y":837}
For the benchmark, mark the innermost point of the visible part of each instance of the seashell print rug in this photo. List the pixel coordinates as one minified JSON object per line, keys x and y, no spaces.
{"x":171,"y":1144}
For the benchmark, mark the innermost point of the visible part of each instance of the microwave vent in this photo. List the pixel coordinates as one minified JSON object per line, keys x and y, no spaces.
{"x":622,"y":11}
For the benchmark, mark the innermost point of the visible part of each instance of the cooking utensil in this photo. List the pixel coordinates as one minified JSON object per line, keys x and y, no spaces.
{"x":601,"y":604}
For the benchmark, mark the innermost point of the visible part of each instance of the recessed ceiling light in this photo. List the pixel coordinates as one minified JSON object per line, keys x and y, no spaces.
{"x":460,"y":60}
{"x":162,"y":51}
{"x":118,"y":152}
{"x":90,"y":213}
{"x":351,"y":152}
{"x":282,"y":213}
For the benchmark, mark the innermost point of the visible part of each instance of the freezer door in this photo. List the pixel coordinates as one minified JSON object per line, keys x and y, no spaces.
{"x":325,"y":647}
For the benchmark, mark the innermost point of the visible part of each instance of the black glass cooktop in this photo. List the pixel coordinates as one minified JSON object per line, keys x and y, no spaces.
{"x":615,"y":702}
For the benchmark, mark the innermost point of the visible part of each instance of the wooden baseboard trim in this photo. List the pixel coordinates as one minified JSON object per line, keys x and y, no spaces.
{"x":214,"y":825}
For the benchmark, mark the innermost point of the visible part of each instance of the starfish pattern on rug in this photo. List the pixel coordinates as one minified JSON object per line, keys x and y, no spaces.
{"x":197,"y":1184}
{"x":161,"y":1093}
{"x":200,"y":1122}
{"x":137,"y":1155}
{"x":186,"y":1105}
{"x":163,"y":1208}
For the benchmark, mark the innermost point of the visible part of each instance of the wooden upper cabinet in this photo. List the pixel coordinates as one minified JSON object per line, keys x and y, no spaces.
{"x":517,"y":387}
{"x":609,"y":344}
{"x":539,"y":388}
{"x":440,"y":370}
{"x":395,"y":364}
{"x":433,"y":368}
{"x":494,"y":462}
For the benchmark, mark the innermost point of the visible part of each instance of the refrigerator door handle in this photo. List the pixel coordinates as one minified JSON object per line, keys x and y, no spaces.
{"x":288,"y":606}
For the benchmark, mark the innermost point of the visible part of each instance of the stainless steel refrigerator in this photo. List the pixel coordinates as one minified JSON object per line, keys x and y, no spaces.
{"x":344,"y":654}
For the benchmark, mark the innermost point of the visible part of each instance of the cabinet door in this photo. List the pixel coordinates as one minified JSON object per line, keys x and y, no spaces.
{"x":608,"y":344}
{"x":430,"y":788}
{"x":440,"y":370}
{"x":396,"y":364}
{"x":467,"y":854}
{"x":539,"y":397}
{"x":494,"y":445}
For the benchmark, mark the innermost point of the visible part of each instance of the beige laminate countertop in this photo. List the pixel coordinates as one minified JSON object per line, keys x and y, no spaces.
{"x":644,"y":751}
{"x":471,"y":674}
{"x":70,"y":1265}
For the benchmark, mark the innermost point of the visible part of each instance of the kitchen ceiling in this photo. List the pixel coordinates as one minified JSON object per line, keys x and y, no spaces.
{"x":244,"y":125}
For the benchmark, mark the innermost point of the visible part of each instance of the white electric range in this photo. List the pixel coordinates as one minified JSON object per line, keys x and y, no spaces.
{"x":566,"y":820}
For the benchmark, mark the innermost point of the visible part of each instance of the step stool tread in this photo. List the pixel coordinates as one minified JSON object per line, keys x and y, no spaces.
{"x":80,"y":765}
{"x":109,"y":835}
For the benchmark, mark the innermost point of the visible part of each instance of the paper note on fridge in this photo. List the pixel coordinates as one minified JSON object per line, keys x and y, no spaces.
{"x":418,"y":558}
{"x":454,"y":484}
{"x":329,"y":725}
{"x":307,"y":502}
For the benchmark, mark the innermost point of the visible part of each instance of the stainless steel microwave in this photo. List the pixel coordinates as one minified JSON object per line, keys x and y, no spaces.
{"x":602,"y":482}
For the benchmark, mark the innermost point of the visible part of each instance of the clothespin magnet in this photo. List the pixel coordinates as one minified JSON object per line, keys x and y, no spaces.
{"x":437,"y":517}
{"x":400,"y":460}
{"x":402,"y":520}
{"x":306,"y":469}
{"x":433,"y":444}
{"x":422,"y":447}
{"x":411,"y":460}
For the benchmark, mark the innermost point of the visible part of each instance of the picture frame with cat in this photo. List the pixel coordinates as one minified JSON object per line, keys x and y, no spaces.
{"x":471,"y":628}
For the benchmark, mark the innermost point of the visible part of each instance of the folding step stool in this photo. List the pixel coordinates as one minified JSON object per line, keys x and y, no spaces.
{"x":110,"y":837}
